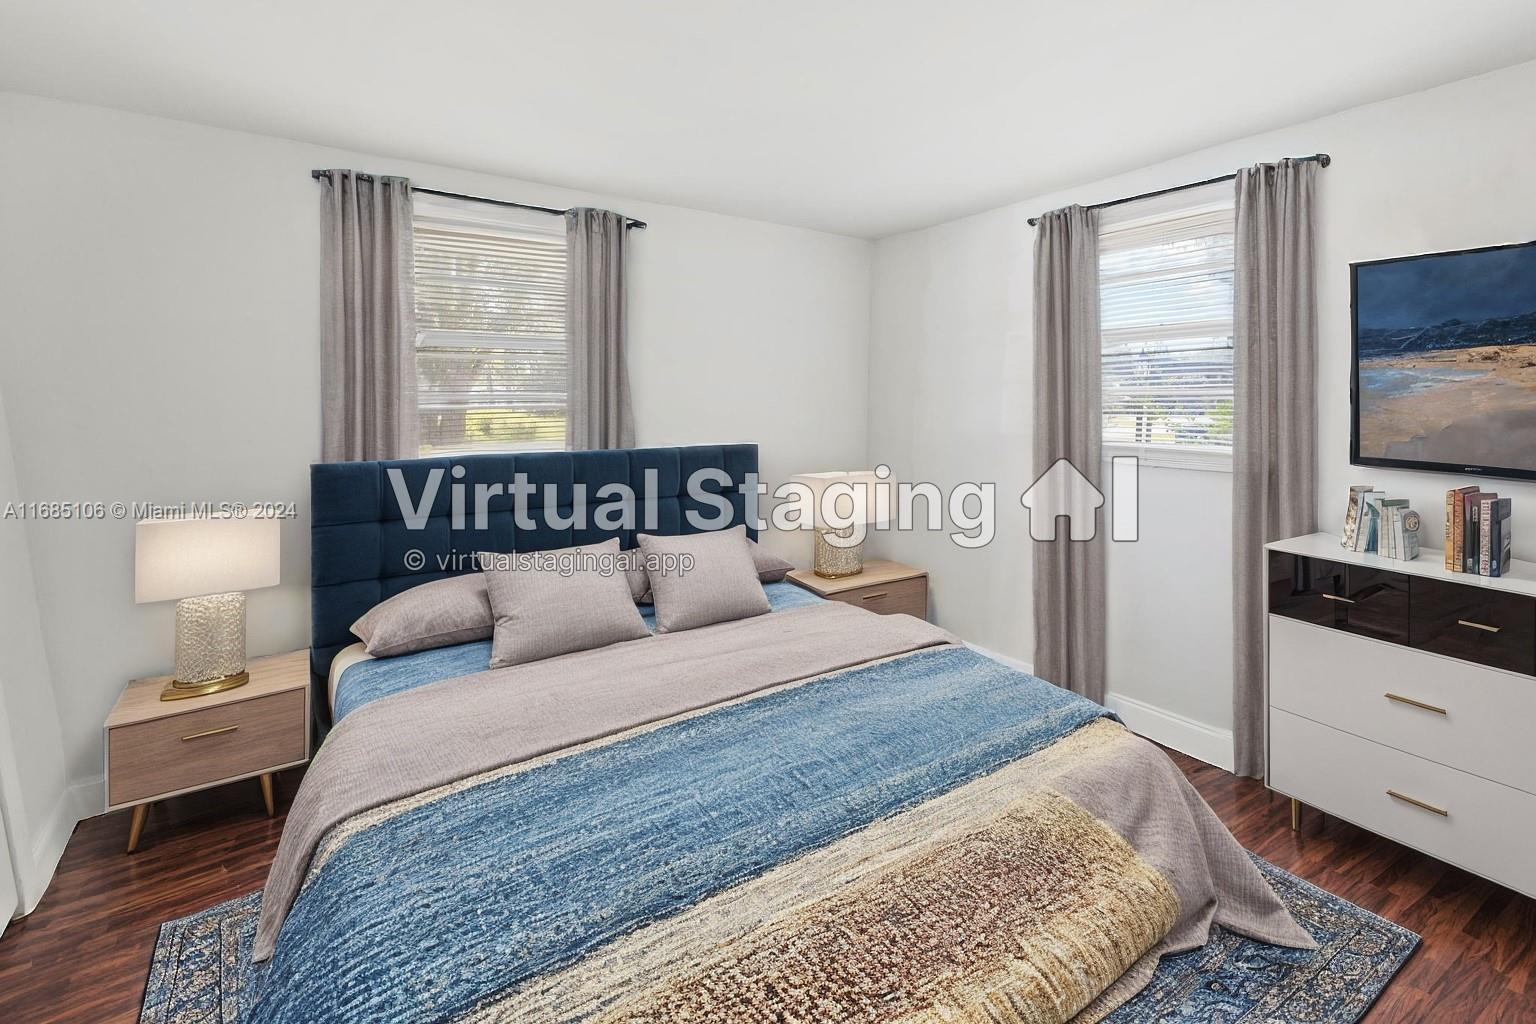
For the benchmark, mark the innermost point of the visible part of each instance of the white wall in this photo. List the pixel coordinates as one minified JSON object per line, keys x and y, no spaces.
{"x":161,"y":344}
{"x":950,"y":378}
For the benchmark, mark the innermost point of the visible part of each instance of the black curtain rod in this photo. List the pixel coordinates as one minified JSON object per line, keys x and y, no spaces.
{"x":1323,"y":160}
{"x":629,"y":222}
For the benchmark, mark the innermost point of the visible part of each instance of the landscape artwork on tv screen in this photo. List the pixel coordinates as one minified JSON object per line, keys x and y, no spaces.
{"x":1445,"y":357}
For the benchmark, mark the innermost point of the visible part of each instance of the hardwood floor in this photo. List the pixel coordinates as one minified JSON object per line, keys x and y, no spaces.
{"x":1477,"y":961}
{"x":82,"y":957}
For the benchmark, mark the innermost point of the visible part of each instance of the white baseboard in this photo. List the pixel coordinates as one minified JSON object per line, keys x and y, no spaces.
{"x":1198,"y":740}
{"x":89,"y":796}
{"x":1022,"y":666}
{"x":80,"y":801}
{"x":47,"y":849}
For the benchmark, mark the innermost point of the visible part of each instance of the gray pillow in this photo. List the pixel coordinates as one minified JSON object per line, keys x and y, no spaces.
{"x":633,"y":562}
{"x":437,"y":614}
{"x":770,"y":569}
{"x":630,"y":562}
{"x":720,"y":586}
{"x":543,"y":610}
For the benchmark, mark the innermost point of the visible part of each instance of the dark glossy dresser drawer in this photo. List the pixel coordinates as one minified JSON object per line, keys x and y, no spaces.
{"x":1473,"y":623}
{"x":1303,"y":588}
{"x":1353,"y":598}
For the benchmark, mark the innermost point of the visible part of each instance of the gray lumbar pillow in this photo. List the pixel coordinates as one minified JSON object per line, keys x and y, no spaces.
{"x":548,"y":603}
{"x":720,"y":585}
{"x":437,"y":614}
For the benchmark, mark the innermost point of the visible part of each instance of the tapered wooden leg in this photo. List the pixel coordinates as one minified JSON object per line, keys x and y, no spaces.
{"x":1295,"y":815}
{"x":137,"y":826}
{"x":266,"y":794}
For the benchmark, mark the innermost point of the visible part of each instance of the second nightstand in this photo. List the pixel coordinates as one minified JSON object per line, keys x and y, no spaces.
{"x":885,"y":587}
{"x":158,"y":749}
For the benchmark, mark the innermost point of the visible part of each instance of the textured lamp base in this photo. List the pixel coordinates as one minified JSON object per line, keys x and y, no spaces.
{"x":210,"y":646}
{"x":833,"y":562}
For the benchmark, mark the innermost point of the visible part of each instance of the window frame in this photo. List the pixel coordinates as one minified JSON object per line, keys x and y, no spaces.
{"x":1139,"y":215}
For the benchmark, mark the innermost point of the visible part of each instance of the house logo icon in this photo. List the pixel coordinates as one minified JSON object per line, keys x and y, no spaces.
{"x":1063,"y":491}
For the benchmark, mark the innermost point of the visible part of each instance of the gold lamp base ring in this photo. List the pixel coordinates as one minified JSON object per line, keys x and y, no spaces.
{"x":178,"y":690}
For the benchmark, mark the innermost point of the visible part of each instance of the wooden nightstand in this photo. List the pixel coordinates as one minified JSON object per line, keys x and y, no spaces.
{"x":888,"y":588}
{"x":158,"y":749}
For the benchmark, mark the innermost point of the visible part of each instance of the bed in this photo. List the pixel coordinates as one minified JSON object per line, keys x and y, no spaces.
{"x":816,"y":814}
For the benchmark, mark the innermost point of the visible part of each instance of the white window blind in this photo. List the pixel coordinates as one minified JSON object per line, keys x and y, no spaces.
{"x":491,"y":363}
{"x":1165,"y":310}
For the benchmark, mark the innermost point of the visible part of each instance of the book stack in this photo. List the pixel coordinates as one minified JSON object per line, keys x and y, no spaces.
{"x":1478,"y":531}
{"x":1377,"y":524}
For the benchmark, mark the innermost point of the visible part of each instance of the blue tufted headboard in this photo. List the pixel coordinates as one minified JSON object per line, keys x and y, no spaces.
{"x":359,"y":540}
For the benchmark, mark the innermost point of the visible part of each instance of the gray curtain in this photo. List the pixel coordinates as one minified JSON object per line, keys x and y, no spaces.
{"x":600,"y":415}
{"x":368,"y":321}
{"x":1069,"y":588}
{"x":1274,"y":443}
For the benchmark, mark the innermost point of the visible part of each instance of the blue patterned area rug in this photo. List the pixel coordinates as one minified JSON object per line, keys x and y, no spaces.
{"x":201,"y":962}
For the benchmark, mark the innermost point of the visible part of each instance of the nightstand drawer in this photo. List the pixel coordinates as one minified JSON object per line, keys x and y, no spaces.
{"x":901,"y":597}
{"x":198,"y":748}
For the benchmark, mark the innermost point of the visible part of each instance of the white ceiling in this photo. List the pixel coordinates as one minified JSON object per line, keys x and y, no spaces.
{"x":865,"y":117}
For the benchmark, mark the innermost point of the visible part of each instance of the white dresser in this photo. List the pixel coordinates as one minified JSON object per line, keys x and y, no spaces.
{"x":1402,"y":698}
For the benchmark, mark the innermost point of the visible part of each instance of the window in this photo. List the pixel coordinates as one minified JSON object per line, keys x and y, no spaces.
{"x":1165,"y":312}
{"x":491,"y":364}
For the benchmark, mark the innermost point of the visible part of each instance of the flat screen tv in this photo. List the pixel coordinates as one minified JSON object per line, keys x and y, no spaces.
{"x":1445,"y":362}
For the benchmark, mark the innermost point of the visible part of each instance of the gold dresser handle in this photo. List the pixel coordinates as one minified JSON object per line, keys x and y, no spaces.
{"x":210,"y":732}
{"x":1478,"y":625}
{"x":1336,"y":597}
{"x":1420,"y":804}
{"x":875,"y":595}
{"x":1415,"y":703}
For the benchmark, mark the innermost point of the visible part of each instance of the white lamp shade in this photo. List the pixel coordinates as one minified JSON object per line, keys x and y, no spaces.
{"x":176,"y":558}
{"x":853,"y":498}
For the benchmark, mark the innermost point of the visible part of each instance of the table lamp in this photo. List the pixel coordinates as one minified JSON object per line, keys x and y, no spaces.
{"x":205,"y":565}
{"x":844,"y":501}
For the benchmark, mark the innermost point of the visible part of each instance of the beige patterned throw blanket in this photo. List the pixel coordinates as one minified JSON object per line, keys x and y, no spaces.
{"x":740,"y":827}
{"x":1023,"y":920}
{"x":1015,"y":899}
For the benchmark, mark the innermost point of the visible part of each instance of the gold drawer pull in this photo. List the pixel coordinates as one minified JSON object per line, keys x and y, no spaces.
{"x":1336,"y":597}
{"x":1420,"y":804}
{"x":1415,"y":703}
{"x":210,"y":732}
{"x":875,"y":596}
{"x":1478,"y":625}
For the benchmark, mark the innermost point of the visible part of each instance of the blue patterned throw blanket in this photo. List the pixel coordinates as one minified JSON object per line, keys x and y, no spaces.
{"x":927,"y":833}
